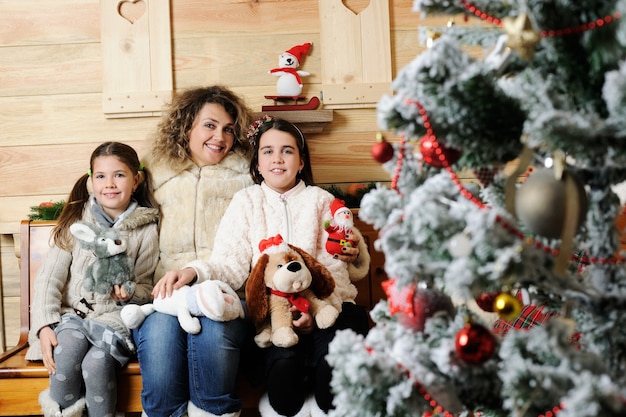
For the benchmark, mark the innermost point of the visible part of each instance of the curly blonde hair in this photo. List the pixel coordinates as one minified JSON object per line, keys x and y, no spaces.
{"x":172,"y":141}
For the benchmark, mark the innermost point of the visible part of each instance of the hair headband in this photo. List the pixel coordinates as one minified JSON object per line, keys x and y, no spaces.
{"x":252,"y":133}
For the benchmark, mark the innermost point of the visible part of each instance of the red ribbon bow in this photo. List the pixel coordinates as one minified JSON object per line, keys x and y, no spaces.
{"x":269,"y":242}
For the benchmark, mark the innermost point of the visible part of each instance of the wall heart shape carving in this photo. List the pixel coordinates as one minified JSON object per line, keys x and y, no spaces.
{"x":356,"y":6}
{"x":131,"y":10}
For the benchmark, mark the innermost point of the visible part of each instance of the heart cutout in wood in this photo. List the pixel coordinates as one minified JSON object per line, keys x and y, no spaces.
{"x":131,"y":10}
{"x":356,"y":6}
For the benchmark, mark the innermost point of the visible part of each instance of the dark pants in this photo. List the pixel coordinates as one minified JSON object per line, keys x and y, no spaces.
{"x":293,"y":373}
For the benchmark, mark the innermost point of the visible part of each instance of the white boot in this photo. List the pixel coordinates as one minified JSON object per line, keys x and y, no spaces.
{"x":266,"y":410}
{"x":194,"y":411}
{"x":316,"y":411}
{"x":51,"y":409}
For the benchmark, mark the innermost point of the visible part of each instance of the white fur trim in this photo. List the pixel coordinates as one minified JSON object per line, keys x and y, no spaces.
{"x":194,"y":411}
{"x":48,"y":406}
{"x":316,"y":411}
{"x":51,"y":409}
{"x":266,"y":410}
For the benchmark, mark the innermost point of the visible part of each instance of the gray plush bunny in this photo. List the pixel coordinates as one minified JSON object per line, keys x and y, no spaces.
{"x":112,"y":265}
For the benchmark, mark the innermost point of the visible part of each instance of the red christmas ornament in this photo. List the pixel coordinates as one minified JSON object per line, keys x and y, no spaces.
{"x":475,"y":344}
{"x":382,"y":151}
{"x":399,"y":299}
{"x":437,"y":155}
{"x":426,"y":302}
{"x":486,"y":300}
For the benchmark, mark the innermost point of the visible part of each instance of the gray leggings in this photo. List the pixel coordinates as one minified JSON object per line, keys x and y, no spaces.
{"x":82,"y":367}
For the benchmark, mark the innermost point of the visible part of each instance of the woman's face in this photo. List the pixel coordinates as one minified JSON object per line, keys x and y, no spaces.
{"x":211,"y":136}
{"x":279,"y":160}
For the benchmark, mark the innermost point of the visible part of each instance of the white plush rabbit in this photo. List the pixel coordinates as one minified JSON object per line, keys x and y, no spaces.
{"x":213,"y":299}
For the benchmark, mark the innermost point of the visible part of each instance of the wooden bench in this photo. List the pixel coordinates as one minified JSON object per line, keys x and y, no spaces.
{"x":21,"y":381}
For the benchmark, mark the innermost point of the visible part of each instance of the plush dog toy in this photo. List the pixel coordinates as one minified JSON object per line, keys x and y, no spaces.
{"x":339,"y":228}
{"x":112,"y":265}
{"x":213,"y":299}
{"x":284,"y":276}
{"x":289,"y":83}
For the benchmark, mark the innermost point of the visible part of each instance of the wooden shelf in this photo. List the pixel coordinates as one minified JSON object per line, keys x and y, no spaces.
{"x":309,"y":121}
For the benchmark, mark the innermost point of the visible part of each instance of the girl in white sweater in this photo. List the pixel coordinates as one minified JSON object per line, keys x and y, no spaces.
{"x":286,"y":201}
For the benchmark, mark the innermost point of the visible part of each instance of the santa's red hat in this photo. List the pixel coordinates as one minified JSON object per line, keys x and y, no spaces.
{"x":299,"y":51}
{"x":336,"y":205}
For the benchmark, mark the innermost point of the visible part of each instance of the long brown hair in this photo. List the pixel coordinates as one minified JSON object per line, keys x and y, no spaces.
{"x":73,"y":209}
{"x":172,"y":139}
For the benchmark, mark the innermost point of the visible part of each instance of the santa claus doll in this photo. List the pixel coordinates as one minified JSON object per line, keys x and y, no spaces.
{"x":339,"y":229}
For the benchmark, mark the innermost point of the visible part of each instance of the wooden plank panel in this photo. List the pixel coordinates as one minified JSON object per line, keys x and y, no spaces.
{"x":39,"y":22}
{"x":77,"y":68}
{"x":32,"y":171}
{"x":67,"y":118}
{"x":53,"y":69}
{"x":136,"y":55}
{"x":356,"y":53}
{"x":240,"y":60}
{"x":193,"y":18}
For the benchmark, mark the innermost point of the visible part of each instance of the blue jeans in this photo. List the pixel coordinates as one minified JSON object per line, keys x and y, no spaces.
{"x":177,"y":367}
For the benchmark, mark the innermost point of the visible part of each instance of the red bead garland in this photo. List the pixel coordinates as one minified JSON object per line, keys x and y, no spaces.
{"x":396,"y":175}
{"x":598,"y":23}
{"x":468,"y":195}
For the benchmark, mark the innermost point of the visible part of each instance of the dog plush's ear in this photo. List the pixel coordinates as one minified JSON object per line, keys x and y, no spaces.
{"x":257,"y":302}
{"x":323,"y":283}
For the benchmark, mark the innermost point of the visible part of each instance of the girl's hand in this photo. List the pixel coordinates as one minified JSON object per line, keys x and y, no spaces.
{"x":119,"y":294}
{"x":350,"y":255}
{"x":48,"y":340}
{"x":173,"y":280}
{"x":302,"y":322}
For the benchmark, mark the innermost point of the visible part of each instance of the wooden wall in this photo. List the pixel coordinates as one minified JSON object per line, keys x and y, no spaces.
{"x":51,"y":85}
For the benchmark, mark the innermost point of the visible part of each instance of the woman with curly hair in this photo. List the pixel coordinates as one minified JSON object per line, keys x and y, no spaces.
{"x":199,"y":159}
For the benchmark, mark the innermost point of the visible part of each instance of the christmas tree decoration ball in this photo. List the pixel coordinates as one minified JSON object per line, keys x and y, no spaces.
{"x":486,"y":301}
{"x":474,"y":344}
{"x":507,"y":306}
{"x":541,"y":202}
{"x":460,"y":245}
{"x":382,"y":151}
{"x":426,"y":303}
{"x":437,"y":155}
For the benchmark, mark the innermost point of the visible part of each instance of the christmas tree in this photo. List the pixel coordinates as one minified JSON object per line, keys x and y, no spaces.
{"x":507,"y":295}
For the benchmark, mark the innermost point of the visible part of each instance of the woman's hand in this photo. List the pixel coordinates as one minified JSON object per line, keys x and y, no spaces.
{"x":48,"y":340}
{"x":173,"y":280}
{"x":119,"y":294}
{"x":350,"y":254}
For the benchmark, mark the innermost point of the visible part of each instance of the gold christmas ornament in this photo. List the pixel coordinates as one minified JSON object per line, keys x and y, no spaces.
{"x":543,"y":201}
{"x":507,"y":306}
{"x":522,"y":37}
{"x":432,"y":37}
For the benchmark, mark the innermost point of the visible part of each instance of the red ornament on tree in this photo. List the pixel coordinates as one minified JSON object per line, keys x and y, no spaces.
{"x":437,"y":155}
{"x":382,"y":151}
{"x":475,"y":344}
{"x":426,"y":302}
{"x":485,"y":301}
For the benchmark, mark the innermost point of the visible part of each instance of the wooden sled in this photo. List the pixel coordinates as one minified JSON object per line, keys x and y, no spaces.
{"x":312,"y":104}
